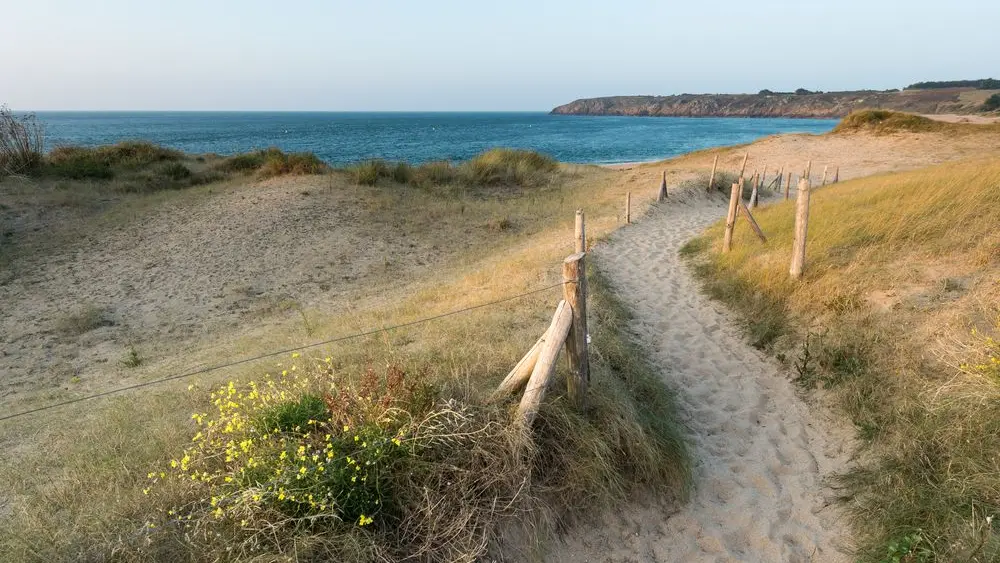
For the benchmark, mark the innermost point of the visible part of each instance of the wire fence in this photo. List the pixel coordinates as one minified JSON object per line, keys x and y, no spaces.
{"x":279,"y":353}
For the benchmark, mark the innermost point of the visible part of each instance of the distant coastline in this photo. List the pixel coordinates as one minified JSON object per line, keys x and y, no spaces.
{"x":799,"y":104}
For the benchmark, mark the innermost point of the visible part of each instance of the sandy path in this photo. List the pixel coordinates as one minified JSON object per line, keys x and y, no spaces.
{"x":760,"y":452}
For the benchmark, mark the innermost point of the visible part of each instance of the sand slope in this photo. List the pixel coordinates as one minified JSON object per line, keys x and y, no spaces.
{"x":761,"y":453}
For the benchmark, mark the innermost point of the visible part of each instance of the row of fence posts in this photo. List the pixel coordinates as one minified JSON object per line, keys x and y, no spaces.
{"x":568,"y":329}
{"x":737,"y":207}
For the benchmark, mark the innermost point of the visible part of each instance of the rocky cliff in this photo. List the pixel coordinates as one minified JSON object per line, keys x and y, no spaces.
{"x":768,"y":104}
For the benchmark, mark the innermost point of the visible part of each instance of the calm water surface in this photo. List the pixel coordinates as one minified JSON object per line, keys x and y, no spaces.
{"x":341,"y":138}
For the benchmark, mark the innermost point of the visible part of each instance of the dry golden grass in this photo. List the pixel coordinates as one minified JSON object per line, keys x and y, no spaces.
{"x":900,"y":269}
{"x":79,"y":497}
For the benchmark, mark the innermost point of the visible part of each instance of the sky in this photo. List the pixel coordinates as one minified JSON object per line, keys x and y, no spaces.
{"x":465,"y":55}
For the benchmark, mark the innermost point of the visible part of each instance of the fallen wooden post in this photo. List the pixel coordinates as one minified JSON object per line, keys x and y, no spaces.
{"x":628,"y":208}
{"x":734,"y":200}
{"x":753,"y":222}
{"x":574,"y":293}
{"x":662,"y":194}
{"x":518,"y":376}
{"x":801,"y":228}
{"x":711,"y":179}
{"x":545,"y":366}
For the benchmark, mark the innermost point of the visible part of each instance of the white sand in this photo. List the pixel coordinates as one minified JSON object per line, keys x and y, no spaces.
{"x":761,"y":453}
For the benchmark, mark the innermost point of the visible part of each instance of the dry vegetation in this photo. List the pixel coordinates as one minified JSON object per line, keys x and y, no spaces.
{"x":897,"y":319}
{"x":461,"y":477}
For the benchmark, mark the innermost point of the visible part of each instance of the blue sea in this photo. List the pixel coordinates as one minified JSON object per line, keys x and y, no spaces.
{"x":343,"y":138}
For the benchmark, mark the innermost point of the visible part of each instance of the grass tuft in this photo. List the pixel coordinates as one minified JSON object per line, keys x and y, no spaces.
{"x":881,"y":122}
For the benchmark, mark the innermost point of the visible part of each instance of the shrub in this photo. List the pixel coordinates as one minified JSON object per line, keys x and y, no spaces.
{"x":76,"y":163}
{"x":174,"y":171}
{"x":885,"y":121}
{"x":508,"y":167}
{"x":402,"y":173}
{"x":134,"y":154}
{"x":992,"y":103}
{"x":21,"y":142}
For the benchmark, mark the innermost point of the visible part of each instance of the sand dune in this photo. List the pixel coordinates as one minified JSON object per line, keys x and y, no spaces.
{"x":761,"y":453}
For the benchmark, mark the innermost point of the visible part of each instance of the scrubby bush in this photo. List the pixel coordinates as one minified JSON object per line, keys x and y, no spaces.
{"x":21,"y":141}
{"x":992,"y":103}
{"x":885,"y":121}
{"x":368,"y":172}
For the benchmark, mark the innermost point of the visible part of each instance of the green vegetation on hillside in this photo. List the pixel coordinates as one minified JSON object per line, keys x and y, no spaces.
{"x":981,"y":84}
{"x":992,"y":103}
{"x":898,"y":317}
{"x":884,"y":121}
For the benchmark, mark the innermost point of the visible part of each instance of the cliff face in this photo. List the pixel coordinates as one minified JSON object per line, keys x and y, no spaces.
{"x":825,"y":105}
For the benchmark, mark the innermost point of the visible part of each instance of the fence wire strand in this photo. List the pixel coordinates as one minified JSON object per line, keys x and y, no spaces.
{"x":278,"y":353}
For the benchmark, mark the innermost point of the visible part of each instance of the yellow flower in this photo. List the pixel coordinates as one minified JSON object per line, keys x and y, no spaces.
{"x":364,"y":520}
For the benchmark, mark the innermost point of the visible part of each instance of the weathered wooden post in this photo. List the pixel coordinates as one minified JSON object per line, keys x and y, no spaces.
{"x":581,"y":232}
{"x":823,"y":183}
{"x":711,"y":179}
{"x":545,"y":365}
{"x":734,"y":201}
{"x":801,"y":228}
{"x":743,"y":168}
{"x":836,"y":175}
{"x":808,"y":170}
{"x":662,"y":194}
{"x":575,"y":294}
{"x":628,"y":208}
{"x":753,"y":195}
{"x":763,"y":177}
{"x":788,"y":184}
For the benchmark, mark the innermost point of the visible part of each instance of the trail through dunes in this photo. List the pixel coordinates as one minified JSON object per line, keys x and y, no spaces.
{"x":761,"y":454}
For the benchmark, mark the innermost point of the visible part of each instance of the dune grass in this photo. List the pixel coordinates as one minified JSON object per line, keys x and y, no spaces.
{"x":466,"y":478}
{"x":495,"y":167}
{"x":271,"y":162}
{"x":897,"y":316}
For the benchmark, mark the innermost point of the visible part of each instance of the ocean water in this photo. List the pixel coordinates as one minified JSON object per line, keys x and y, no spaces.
{"x":341,"y":138}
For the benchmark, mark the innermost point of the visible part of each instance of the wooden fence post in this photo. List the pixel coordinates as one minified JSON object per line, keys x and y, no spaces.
{"x":801,"y":228}
{"x":823,"y":183}
{"x":662,"y":194}
{"x":575,"y":294}
{"x":743,"y":168}
{"x":534,"y":392}
{"x":788,"y":184}
{"x":628,"y":208}
{"x":836,"y":175}
{"x":805,"y":174}
{"x":711,"y":179}
{"x":763,"y":177}
{"x":581,"y":232}
{"x":521,"y":372}
{"x":734,"y":200}
{"x":753,"y":222}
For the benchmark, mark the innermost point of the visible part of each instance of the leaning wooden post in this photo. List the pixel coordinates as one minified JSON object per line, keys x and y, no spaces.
{"x":763,"y":177}
{"x":662,"y":194}
{"x":711,"y":179}
{"x":575,"y":293}
{"x":788,"y":184}
{"x":743,"y":168}
{"x":518,"y":376}
{"x":545,"y":366}
{"x":823,"y":183}
{"x":734,"y":201}
{"x":801,"y":227}
{"x":628,"y":208}
{"x":836,"y":175}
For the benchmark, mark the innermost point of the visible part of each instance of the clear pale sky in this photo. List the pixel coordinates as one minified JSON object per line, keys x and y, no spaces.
{"x":470,"y":55}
